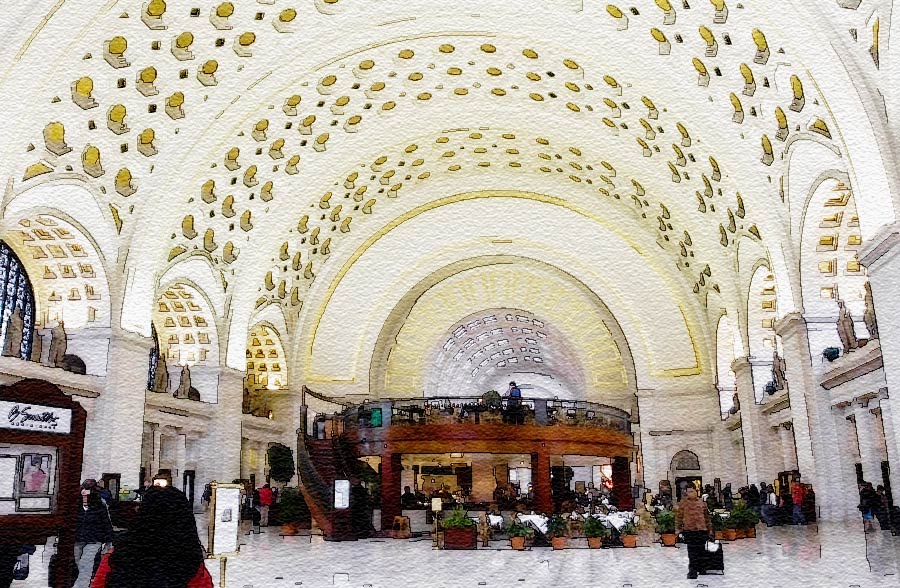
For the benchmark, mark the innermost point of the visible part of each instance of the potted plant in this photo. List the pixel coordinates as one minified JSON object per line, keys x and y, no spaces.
{"x":629,"y":535}
{"x":718,"y":524}
{"x":459,"y":530}
{"x":740,"y":516}
{"x":557,"y":529}
{"x":518,"y":533}
{"x":292,"y":510}
{"x":595,"y":531}
{"x":665,"y":526}
{"x":730,"y":532}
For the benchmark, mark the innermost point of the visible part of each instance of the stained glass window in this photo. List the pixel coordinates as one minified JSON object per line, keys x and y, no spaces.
{"x":16,"y":293}
{"x":154,"y":358}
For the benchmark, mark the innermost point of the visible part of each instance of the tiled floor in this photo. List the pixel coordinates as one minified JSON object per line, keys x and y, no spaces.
{"x":826,"y":556}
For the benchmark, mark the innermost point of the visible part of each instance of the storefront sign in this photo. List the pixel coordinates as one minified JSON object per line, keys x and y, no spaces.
{"x":23,"y":416}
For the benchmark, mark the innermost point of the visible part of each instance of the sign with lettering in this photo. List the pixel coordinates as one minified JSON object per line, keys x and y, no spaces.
{"x":23,"y":416}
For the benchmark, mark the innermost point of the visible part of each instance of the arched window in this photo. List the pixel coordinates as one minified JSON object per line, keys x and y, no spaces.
{"x":17,"y":293}
{"x":154,"y":358}
{"x":686,"y":460}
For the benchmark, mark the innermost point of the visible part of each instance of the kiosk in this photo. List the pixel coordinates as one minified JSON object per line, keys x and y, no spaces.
{"x":41,"y":443}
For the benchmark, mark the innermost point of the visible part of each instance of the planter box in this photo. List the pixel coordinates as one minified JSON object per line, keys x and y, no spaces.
{"x":595,"y":542}
{"x":668,"y":539}
{"x":629,"y":540}
{"x":730,"y":534}
{"x":720,"y":535}
{"x":517,"y":543}
{"x":751,"y":533}
{"x":460,"y":538}
{"x":740,"y":533}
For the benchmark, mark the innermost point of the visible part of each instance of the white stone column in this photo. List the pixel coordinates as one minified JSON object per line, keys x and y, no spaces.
{"x":223,"y":445}
{"x":814,"y":429}
{"x":750,"y":425}
{"x":156,"y":451}
{"x":113,"y":444}
{"x":788,"y":450}
{"x":881,"y":256}
{"x":180,"y":459}
{"x":870,"y":451}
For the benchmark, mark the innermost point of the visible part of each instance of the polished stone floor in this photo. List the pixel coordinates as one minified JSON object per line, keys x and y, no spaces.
{"x":830,"y":555}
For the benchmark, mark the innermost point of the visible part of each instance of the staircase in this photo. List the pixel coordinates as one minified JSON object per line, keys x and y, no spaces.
{"x":320,"y":462}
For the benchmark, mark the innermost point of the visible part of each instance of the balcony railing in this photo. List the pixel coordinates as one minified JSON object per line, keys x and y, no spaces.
{"x":472,"y":410}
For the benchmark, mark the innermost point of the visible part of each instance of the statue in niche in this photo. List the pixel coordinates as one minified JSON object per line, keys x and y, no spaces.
{"x":161,"y":377}
{"x":37,"y":346}
{"x":778,"y":371}
{"x":184,"y":384}
{"x":57,"y":345}
{"x":869,"y":315}
{"x":245,"y":402}
{"x":13,"y":344}
{"x":845,"y":328}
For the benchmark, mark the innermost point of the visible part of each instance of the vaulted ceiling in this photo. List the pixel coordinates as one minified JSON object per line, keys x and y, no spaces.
{"x":277,"y":139}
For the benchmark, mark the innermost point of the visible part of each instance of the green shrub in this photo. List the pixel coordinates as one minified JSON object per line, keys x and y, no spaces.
{"x":518,"y":529}
{"x":558,"y":526}
{"x":457,"y":519}
{"x":595,"y":528}
{"x":281,"y":463}
{"x":629,"y":529}
{"x":291,"y":506}
{"x":665,"y":522}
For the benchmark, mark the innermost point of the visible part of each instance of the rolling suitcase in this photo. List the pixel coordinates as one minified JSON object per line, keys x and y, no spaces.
{"x":713,"y":561}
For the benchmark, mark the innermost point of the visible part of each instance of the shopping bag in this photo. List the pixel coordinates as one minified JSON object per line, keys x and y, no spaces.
{"x":713,"y":546}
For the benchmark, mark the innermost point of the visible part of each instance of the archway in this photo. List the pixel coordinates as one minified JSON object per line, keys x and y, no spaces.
{"x":685,"y":471}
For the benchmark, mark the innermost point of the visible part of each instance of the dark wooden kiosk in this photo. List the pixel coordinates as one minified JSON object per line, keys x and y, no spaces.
{"x":388,"y":429}
{"x":41,"y":443}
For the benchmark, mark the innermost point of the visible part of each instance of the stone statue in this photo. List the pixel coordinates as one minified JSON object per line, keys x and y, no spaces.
{"x":869,"y":315}
{"x":161,"y":377}
{"x":37,"y":345}
{"x":245,"y":401}
{"x":57,"y":345}
{"x":778,"y":371}
{"x":184,"y":384}
{"x":845,"y":328}
{"x":12,"y":346}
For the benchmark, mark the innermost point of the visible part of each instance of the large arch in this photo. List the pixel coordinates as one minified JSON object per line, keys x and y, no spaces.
{"x":406,"y":342}
{"x":338,"y":298}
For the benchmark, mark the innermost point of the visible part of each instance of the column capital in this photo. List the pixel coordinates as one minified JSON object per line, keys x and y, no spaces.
{"x":880,"y":247}
{"x":791,"y":324}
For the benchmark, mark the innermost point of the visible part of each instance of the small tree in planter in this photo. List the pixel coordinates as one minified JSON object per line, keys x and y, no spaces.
{"x":281,"y":463}
{"x":595,"y":531}
{"x":292,"y":511}
{"x":558,"y":529}
{"x":629,"y":535}
{"x":518,"y":534}
{"x":665,"y":526}
{"x":459,"y":530}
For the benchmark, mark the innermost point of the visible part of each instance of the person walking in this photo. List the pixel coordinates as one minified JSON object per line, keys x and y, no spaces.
{"x":869,"y":503}
{"x":265,"y":501}
{"x":161,"y":550}
{"x":93,"y":530}
{"x":693,"y":522}
{"x":797,"y":495}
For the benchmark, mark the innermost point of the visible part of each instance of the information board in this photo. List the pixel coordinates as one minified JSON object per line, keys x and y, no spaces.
{"x":224,"y":522}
